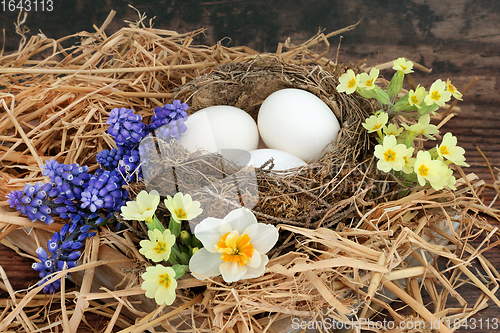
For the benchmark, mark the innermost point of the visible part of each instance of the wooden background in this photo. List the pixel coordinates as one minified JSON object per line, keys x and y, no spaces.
{"x":458,"y":39}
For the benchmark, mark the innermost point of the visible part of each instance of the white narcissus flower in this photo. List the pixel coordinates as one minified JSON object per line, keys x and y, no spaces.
{"x":160,"y":284}
{"x":375,"y":123}
{"x":438,"y":94}
{"x":367,"y":81}
{"x":182,"y":207}
{"x":391,"y":154}
{"x":143,"y":208}
{"x":416,"y":98}
{"x":453,"y":90}
{"x":348,"y":82}
{"x":158,"y":247}
{"x":234,"y":246}
{"x":448,"y":149}
{"x":429,"y":170}
{"x":403,"y":65}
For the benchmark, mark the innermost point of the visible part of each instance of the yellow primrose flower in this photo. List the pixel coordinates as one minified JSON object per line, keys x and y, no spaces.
{"x":416,"y":98}
{"x":403,"y":65}
{"x":450,"y":179}
{"x":160,"y":284}
{"x":409,"y":161}
{"x":391,"y":154}
{"x":453,"y":90}
{"x":375,"y":123}
{"x":235,"y":247}
{"x":182,"y":207}
{"x":348,"y":82}
{"x":392,"y":129}
{"x":448,"y":149}
{"x":158,"y":247}
{"x":423,"y":127}
{"x":367,"y":81}
{"x":429,"y":170}
{"x":446,"y":179}
{"x":143,"y":208}
{"x":438,"y":94}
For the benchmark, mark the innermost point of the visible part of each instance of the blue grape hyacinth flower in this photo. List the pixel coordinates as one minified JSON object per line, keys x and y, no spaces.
{"x":31,"y":202}
{"x":104,"y":191}
{"x":69,"y":179}
{"x":64,"y":250}
{"x":168,"y":121}
{"x":125,"y":126}
{"x":129,"y":166}
{"x":110,"y":159}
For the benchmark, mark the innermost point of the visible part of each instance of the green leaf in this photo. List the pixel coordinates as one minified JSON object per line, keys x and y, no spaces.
{"x":196,"y":243}
{"x":428,"y":109}
{"x":179,"y":270}
{"x":157,"y":224}
{"x":174,"y":227}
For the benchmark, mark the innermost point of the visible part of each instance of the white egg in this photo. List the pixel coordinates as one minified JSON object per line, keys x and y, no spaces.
{"x":221,"y":129}
{"x":297,"y":122}
{"x":282,"y":160}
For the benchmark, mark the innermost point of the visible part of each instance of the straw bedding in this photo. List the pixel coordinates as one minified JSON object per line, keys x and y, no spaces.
{"x":347,"y":231}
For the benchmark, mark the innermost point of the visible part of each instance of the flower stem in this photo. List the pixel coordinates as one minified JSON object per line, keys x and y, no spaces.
{"x":179,"y":256}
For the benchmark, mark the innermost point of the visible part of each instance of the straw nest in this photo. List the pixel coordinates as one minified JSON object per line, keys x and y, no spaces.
{"x":348,"y":233}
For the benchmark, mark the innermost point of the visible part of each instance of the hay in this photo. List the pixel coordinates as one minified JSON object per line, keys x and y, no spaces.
{"x":347,"y":231}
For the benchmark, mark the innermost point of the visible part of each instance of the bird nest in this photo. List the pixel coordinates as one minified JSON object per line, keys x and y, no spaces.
{"x":348,"y":232}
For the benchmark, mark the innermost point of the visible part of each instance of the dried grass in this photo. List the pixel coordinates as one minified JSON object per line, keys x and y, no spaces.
{"x":348,"y":234}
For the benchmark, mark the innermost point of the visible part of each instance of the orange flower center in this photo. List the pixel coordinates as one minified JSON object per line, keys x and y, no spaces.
{"x":181,"y":213}
{"x":435,"y":95}
{"x":235,"y":247}
{"x":403,"y":67}
{"x":414,"y":99}
{"x":376,"y":127}
{"x":164,"y":280}
{"x":423,"y":170}
{"x":351,"y":83}
{"x":390,"y":156}
{"x":160,"y":247}
{"x":444,"y":150}
{"x":369,"y":83}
